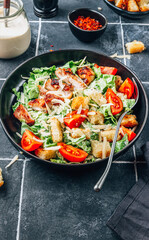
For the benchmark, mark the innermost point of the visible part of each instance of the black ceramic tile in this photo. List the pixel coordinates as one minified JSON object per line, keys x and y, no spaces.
{"x":63,"y":205}
{"x":67,"y":6}
{"x":9,"y":200}
{"x":139,"y":61}
{"x":28,"y":7}
{"x":143,"y":20}
{"x":61,"y":37}
{"x":7,"y":66}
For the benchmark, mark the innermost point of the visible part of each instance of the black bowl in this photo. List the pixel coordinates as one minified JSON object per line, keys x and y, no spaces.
{"x":59,"y":58}
{"x":84,"y":35}
{"x":125,"y":13}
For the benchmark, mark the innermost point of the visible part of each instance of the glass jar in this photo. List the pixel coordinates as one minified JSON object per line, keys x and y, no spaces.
{"x":15,"y":34}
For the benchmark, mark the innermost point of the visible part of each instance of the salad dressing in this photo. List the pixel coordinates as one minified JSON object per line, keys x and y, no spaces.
{"x":16,"y":37}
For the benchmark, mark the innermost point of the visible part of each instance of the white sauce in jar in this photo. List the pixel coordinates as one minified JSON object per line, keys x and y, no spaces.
{"x":15,"y":38}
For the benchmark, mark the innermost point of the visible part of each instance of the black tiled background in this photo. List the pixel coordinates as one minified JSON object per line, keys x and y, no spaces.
{"x":38,"y":202}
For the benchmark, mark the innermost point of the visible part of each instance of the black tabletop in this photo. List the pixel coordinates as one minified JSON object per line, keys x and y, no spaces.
{"x":39,"y":202}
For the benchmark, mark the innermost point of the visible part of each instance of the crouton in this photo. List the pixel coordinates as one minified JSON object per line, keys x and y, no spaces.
{"x":109,"y":134}
{"x":118,"y":81}
{"x":121,"y":3}
{"x":79,"y":132}
{"x":45,"y":154}
{"x":98,"y":98}
{"x":77,"y":101}
{"x":1,"y":178}
{"x":132,"y":6}
{"x":97,"y":149}
{"x":129,"y":121}
{"x":57,"y":134}
{"x":135,"y":46}
{"x":97,"y":118}
{"x":143,"y":5}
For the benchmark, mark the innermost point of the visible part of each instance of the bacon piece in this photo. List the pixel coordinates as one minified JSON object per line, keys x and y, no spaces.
{"x":38,"y":105}
{"x":21,"y":113}
{"x":86,"y":74}
{"x":49,"y":97}
{"x":70,"y":78}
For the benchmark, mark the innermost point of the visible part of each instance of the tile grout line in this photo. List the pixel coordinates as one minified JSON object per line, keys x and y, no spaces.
{"x":135,"y":163}
{"x":38,"y":37}
{"x":122,"y":36}
{"x":20,"y":202}
{"x":117,"y":23}
{"x":127,"y":162}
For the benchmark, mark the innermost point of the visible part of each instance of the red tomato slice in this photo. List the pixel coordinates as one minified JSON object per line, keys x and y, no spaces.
{"x":96,"y":65}
{"x":106,"y":70}
{"x":111,"y":97}
{"x":30,"y":141}
{"x":131,"y":134}
{"x":74,"y":120}
{"x":71,"y":153}
{"x":127,"y":88}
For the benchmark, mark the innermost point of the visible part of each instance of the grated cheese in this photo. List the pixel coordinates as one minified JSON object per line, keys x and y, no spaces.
{"x":38,"y":140}
{"x":79,"y":109}
{"x":19,"y":135}
{"x":22,"y":97}
{"x":57,"y":101}
{"x":53,"y":148}
{"x":120,"y":56}
{"x":91,"y":113}
{"x":12,"y":161}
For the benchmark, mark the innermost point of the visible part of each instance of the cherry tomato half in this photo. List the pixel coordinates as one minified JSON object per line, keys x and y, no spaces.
{"x":127,"y":88}
{"x":106,"y":70}
{"x":29,"y":142}
{"x":111,"y":97}
{"x":71,"y":153}
{"x":131,"y":134}
{"x":74,"y":120}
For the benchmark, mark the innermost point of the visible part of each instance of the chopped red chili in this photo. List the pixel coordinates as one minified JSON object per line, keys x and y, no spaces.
{"x":87,"y":23}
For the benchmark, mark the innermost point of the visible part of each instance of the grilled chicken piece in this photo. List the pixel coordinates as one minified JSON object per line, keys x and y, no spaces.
{"x":21,"y":113}
{"x":42,"y":91}
{"x":49,"y":99}
{"x":52,"y":84}
{"x":86,"y":74}
{"x":38,"y":105}
{"x":70,"y":78}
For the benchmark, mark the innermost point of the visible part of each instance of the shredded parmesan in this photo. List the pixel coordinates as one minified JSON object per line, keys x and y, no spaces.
{"x":120,"y":56}
{"x":79,"y":109}
{"x":53,"y":148}
{"x":82,"y":61}
{"x":57,"y":101}
{"x":38,"y":140}
{"x":49,"y":110}
{"x":91,"y":113}
{"x":12,"y":161}
{"x":22,"y":97}
{"x":134,"y":128}
{"x":99,"y":8}
{"x":19,"y":135}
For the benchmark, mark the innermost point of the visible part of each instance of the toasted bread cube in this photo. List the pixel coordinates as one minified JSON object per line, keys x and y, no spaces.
{"x":97,"y":149}
{"x":1,"y":178}
{"x":135,"y":46}
{"x":118,"y":81}
{"x":129,"y":121}
{"x":79,"y":132}
{"x":45,"y":154}
{"x":121,"y":3}
{"x":77,"y":101}
{"x":97,"y":118}
{"x":109,"y":134}
{"x":132,"y":6}
{"x":56,"y":130}
{"x":98,"y":98}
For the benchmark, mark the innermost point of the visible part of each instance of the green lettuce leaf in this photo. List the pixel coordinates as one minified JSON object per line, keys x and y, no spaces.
{"x":121,"y":143}
{"x":97,"y":72}
{"x":108,"y":116}
{"x":128,"y":104}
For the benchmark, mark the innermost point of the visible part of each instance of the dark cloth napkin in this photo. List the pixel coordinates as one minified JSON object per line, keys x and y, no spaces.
{"x":131,"y":218}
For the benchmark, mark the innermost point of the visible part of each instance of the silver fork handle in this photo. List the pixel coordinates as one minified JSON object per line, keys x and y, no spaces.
{"x":101,"y":181}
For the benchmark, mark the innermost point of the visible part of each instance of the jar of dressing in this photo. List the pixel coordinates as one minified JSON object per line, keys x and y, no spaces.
{"x":15,"y":34}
